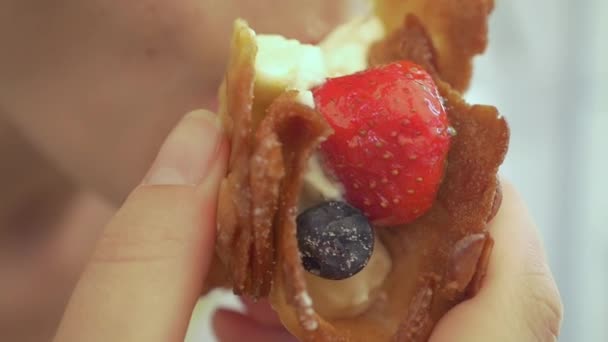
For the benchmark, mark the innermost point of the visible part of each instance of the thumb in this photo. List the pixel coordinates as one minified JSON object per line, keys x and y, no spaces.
{"x":149,"y":265}
{"x":519,"y":300}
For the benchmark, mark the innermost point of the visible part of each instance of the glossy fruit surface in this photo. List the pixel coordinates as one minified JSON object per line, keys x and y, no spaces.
{"x":390,"y":142}
{"x":335,"y":240}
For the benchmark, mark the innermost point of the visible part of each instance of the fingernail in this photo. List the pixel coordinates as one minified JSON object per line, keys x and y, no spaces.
{"x":189,"y":151}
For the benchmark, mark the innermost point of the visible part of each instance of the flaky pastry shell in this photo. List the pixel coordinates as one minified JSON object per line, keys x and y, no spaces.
{"x":439,"y":260}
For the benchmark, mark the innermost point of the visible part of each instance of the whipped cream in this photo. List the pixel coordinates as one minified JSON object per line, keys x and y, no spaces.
{"x":345,"y":49}
{"x":305,"y":97}
{"x":289,"y":64}
{"x":353,"y":296}
{"x":318,"y":185}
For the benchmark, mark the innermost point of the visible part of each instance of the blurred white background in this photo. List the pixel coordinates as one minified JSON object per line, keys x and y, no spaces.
{"x":545,"y":70}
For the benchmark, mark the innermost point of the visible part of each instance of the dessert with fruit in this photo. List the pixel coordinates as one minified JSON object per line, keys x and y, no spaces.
{"x":360,"y":183}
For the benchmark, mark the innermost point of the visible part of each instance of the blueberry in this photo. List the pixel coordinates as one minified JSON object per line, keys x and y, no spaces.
{"x":335,"y":239}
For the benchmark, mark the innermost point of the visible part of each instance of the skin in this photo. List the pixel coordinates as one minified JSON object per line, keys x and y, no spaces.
{"x":89,"y":91}
{"x":100,"y":83}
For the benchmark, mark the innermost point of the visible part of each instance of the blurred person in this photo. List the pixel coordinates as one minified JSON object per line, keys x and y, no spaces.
{"x":88,"y":92}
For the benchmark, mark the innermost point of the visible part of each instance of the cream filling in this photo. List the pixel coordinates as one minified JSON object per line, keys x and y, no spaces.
{"x":318,"y":186}
{"x":285,"y":64}
{"x":353,"y":296}
{"x":288,"y":64}
{"x":345,"y":49}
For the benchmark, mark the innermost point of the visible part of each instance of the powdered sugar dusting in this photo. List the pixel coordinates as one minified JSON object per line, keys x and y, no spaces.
{"x":309,"y":322}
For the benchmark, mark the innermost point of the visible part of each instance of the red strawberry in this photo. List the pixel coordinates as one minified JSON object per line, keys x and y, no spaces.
{"x":390,"y":142}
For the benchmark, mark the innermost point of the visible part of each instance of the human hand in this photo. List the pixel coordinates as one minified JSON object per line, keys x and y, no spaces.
{"x":149,"y":265}
{"x":96,"y":85}
{"x":518,"y":301}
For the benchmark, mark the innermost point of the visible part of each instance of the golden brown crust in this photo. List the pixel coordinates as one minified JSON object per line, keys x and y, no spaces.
{"x":236,"y":241}
{"x":482,"y":267}
{"x":458,"y":30}
{"x":300,"y":129}
{"x":410,"y":40}
{"x":260,"y":171}
{"x":267,"y":171}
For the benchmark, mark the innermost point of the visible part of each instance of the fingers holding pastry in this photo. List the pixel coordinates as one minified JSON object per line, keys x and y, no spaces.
{"x":518,"y":299}
{"x":148,"y":267}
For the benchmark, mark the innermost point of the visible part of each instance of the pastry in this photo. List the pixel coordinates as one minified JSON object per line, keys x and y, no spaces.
{"x":360,"y":183}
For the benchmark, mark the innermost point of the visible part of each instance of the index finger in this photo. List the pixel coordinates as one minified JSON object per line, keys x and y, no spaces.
{"x":148,"y":267}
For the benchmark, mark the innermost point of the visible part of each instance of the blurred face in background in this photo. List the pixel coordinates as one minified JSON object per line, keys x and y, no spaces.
{"x":108,"y":77}
{"x":88,"y":91}
{"x":47,"y":228}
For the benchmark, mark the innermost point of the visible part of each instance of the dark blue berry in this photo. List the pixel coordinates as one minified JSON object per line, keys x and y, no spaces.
{"x":335,"y":239}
